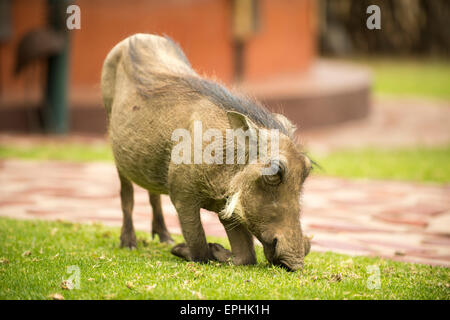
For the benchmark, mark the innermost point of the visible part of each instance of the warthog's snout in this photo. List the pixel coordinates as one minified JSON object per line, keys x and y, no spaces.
{"x":289,"y":256}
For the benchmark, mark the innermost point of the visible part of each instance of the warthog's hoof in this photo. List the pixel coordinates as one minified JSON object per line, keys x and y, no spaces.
{"x":217,"y":252}
{"x":164,"y":237}
{"x":128,"y":241}
{"x":181,"y":250}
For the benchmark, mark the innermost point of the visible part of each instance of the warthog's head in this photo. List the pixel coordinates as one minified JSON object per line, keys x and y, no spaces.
{"x":266,"y":197}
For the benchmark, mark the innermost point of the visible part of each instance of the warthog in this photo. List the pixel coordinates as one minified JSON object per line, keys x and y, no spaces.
{"x":149,"y":90}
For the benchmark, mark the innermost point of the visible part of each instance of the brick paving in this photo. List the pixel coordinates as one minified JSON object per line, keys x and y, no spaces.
{"x":397,"y":220}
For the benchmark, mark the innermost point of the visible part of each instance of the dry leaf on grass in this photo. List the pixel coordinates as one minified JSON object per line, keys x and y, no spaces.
{"x":57,"y":296}
{"x":26,"y":253}
{"x":106,"y":234}
{"x":150,"y":287}
{"x":347,"y":263}
{"x":198,"y":294}
{"x":336,"y":277}
{"x":66,"y":285}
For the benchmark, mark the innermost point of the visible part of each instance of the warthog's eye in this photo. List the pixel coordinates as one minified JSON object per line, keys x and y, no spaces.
{"x":274,"y":175}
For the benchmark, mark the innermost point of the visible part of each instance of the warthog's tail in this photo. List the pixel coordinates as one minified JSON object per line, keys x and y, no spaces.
{"x":147,"y":60}
{"x":108,"y":80}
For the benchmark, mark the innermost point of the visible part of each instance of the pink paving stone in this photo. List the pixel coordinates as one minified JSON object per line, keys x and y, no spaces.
{"x":411,"y":259}
{"x":343,"y":228}
{"x":438,"y":241}
{"x":7,"y":203}
{"x":104,"y":219}
{"x":419,"y":209}
{"x":109,"y":196}
{"x":43,"y":212}
{"x":50,"y":191}
{"x":357,"y":202}
{"x":427,"y":255}
{"x":381,"y":194}
{"x":403,"y":218}
{"x":333,"y":245}
{"x":398,"y":245}
{"x":439,"y":225}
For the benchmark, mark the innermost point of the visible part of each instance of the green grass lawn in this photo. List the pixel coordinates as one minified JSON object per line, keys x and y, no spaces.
{"x":419,"y":164}
{"x":58,"y":151}
{"x":416,"y":77}
{"x":35,"y":257}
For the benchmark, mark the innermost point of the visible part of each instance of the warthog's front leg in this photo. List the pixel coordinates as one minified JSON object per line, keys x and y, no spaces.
{"x":241,"y":241}
{"x":196,"y":247}
{"x":189,"y":215}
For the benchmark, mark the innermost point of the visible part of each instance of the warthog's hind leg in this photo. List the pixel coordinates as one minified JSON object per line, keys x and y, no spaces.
{"x":128,"y":236}
{"x":158,"y":224}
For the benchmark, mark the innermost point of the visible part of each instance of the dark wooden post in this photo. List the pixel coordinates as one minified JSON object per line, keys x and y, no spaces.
{"x":56,"y":116}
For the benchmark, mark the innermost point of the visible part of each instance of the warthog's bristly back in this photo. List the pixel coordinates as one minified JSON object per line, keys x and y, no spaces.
{"x":177,"y":80}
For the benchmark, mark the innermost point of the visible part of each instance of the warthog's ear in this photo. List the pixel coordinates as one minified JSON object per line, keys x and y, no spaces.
{"x":239,"y":121}
{"x":291,"y":128}
{"x":243,"y":127}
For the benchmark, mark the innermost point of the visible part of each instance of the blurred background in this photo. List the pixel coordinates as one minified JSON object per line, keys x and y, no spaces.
{"x":372,"y":107}
{"x":344,"y":85}
{"x":273,"y":49}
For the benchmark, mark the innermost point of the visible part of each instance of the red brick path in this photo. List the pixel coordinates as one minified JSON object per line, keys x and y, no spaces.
{"x":402,"y":221}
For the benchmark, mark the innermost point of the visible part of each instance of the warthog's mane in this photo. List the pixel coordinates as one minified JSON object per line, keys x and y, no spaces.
{"x":177,"y":82}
